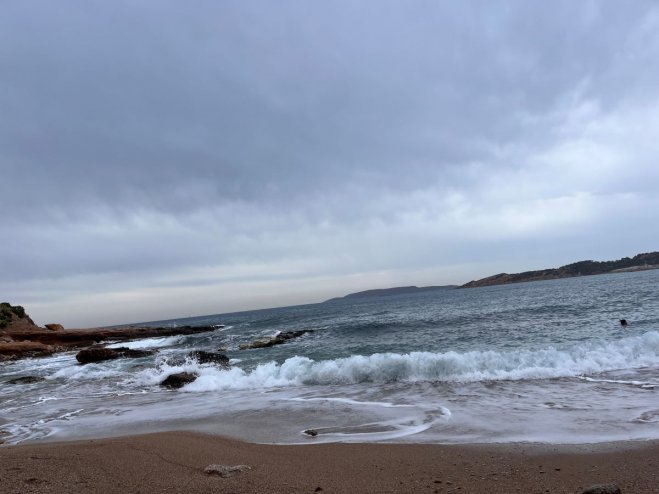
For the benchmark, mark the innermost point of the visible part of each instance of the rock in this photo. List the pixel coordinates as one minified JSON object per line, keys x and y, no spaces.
{"x":128,"y":353}
{"x":96,"y":354}
{"x":311,"y":432}
{"x":278,"y":339}
{"x":209,"y":358}
{"x":20,"y":349}
{"x":225,"y":471}
{"x":26,"y":380}
{"x":603,"y":489}
{"x":17,"y":327}
{"x":100,"y":353}
{"x":179,"y":380}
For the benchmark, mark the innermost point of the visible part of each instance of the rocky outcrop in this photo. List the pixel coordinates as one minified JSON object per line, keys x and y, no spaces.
{"x":20,"y":337}
{"x":278,"y":339}
{"x":175,"y":381}
{"x":13,"y":315}
{"x":100,"y":353}
{"x":209,"y":358}
{"x":14,"y":349}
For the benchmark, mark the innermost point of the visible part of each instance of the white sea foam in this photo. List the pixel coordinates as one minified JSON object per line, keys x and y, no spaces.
{"x":544,"y":363}
{"x":149,"y":343}
{"x":86,"y":372}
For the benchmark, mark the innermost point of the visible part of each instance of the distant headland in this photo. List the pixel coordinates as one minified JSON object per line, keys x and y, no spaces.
{"x":397,"y":290}
{"x":639,"y":262}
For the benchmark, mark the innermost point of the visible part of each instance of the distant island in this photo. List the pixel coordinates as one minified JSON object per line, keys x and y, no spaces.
{"x":397,"y":290}
{"x":639,"y":262}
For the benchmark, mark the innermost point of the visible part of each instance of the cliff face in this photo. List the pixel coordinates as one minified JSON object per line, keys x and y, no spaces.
{"x":582,"y":268}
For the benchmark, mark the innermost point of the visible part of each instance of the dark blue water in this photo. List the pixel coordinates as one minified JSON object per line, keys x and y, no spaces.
{"x":544,"y":361}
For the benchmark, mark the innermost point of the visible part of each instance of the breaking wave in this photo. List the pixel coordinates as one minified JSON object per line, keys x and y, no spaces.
{"x":148,"y":343}
{"x":550,"y":362}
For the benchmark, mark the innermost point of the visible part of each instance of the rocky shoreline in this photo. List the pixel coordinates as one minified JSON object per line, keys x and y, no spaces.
{"x":20,"y":337}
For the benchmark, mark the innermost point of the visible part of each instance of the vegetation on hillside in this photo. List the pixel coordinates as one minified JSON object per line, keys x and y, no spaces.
{"x":8,"y":311}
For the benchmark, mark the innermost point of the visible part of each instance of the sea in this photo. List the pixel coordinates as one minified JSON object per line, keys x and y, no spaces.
{"x":542,"y":362}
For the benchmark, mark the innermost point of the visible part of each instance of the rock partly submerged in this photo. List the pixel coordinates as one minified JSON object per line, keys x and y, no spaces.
{"x":278,"y":339}
{"x":201,"y":357}
{"x":204,"y":357}
{"x":100,"y":353}
{"x":175,"y":381}
{"x":26,"y":380}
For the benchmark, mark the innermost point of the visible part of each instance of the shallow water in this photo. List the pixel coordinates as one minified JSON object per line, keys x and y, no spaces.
{"x":542,"y":362}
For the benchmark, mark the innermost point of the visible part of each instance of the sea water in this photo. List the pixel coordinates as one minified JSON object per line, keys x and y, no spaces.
{"x":542,"y":362}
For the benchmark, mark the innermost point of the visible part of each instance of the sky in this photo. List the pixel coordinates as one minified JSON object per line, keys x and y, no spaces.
{"x":163,"y":159}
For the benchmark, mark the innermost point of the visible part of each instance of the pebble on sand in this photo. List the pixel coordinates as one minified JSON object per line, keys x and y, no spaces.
{"x":225,"y":471}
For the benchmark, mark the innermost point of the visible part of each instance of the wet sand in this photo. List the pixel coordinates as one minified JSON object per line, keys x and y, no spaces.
{"x":175,"y":462}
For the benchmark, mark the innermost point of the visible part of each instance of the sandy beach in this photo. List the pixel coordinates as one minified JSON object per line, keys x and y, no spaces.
{"x":175,"y":462}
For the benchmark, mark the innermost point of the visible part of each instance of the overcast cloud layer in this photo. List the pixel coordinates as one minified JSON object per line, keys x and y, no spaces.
{"x":162,"y":159}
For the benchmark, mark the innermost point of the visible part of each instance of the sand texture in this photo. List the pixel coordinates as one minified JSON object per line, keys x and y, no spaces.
{"x":175,"y":462}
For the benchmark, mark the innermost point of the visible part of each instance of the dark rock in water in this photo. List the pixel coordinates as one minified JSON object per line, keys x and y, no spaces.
{"x":26,"y":380}
{"x":282,"y":337}
{"x":623,"y":322}
{"x":209,"y":358}
{"x":100,"y":353}
{"x":128,"y":353}
{"x":96,"y":354}
{"x":311,"y":432}
{"x":179,"y":380}
{"x":225,"y":471}
{"x":603,"y":489}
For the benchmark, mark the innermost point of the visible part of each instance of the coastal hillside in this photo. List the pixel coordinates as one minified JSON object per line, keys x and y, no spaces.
{"x":398,"y":290}
{"x":13,"y":318}
{"x":639,"y":262}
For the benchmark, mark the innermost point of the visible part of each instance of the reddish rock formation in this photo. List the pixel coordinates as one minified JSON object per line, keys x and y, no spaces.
{"x":54,"y":327}
{"x":20,"y":337}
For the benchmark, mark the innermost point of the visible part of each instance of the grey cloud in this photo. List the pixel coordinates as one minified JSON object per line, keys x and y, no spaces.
{"x":150,"y":136}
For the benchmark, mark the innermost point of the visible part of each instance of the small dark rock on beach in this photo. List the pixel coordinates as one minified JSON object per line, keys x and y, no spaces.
{"x":603,"y":489}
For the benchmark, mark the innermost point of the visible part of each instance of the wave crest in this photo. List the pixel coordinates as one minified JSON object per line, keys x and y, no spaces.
{"x":550,"y":362}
